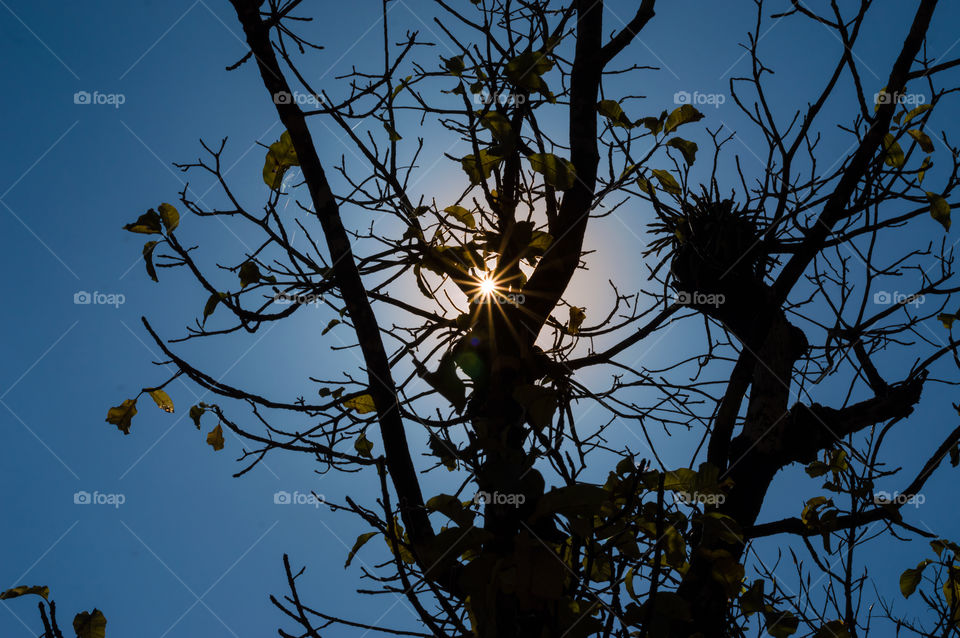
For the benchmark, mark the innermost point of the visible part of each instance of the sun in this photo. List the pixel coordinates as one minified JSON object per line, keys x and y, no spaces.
{"x":487,"y":285}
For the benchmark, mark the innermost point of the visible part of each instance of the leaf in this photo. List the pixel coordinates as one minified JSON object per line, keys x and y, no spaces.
{"x":893,"y":157}
{"x":478,"y":170}
{"x":921,"y":173}
{"x":90,"y":624}
{"x":526,"y":69}
{"x":540,"y":242}
{"x":557,"y":171}
{"x":922,"y":139}
{"x":915,"y":112}
{"x":195,"y":413}
{"x":577,"y":316}
{"x":687,"y":149}
{"x":330,"y":326}
{"x":781,"y":624}
{"x":215,"y":438}
{"x":250,"y":274}
{"x":148,"y":258}
{"x":833,"y":629}
{"x":751,"y":601}
{"x":452,"y":508}
{"x":147,"y":224}
{"x":947,"y":319}
{"x":361,"y":541}
{"x":122,"y":415}
{"x":667,"y":181}
{"x":23,"y":590}
{"x":363,"y":446}
{"x":612,"y":110}
{"x":538,"y":402}
{"x":211,"y":304}
{"x":280,"y":156}
{"x":162,"y":399}
{"x":680,"y":116}
{"x":392,"y":132}
{"x":499,"y":125}
{"x":454,"y":65}
{"x":447,"y":383}
{"x":939,"y":209}
{"x":578,"y":498}
{"x":910,"y":578}
{"x":462,"y":215}
{"x":169,"y":216}
{"x":363,"y":404}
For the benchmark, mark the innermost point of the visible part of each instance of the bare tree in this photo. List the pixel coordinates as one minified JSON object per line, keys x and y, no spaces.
{"x":468,"y":342}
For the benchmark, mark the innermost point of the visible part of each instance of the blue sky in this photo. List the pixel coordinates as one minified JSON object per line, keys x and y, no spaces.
{"x":192,"y":551}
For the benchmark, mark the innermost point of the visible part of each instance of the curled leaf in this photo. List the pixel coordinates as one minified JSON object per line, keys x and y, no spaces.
{"x":122,"y":415}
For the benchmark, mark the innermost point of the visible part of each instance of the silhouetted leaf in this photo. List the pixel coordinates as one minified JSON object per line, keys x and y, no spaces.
{"x":90,"y":624}
{"x":926,"y":144}
{"x":147,"y":224}
{"x":363,"y":404}
{"x":462,"y":215}
{"x":361,"y":541}
{"x":122,"y":415}
{"x":24,"y":590}
{"x":363,"y":446}
{"x":195,"y":413}
{"x":612,"y":110}
{"x":910,"y":578}
{"x":687,"y":149}
{"x":939,"y":209}
{"x":680,"y":116}
{"x":557,"y":171}
{"x":169,"y":216}
{"x":215,"y":438}
{"x":148,"y":258}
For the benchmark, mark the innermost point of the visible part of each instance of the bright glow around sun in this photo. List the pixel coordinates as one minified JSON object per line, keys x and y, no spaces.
{"x":487,"y":285}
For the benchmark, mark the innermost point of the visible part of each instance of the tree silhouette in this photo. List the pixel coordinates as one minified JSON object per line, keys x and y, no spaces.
{"x":468,"y":343}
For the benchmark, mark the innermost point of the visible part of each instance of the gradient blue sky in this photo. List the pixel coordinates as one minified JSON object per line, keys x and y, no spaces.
{"x":192,"y":551}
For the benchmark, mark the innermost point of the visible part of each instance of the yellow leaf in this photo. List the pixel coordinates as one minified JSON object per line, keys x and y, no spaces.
{"x":462,"y":215}
{"x":90,"y":624}
{"x":23,"y":590}
{"x":215,"y":438}
{"x":939,"y":209}
{"x":363,"y":446}
{"x":280,"y":156}
{"x":162,"y":399}
{"x":169,"y":216}
{"x":577,"y":315}
{"x":362,"y":404}
{"x":122,"y":415}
